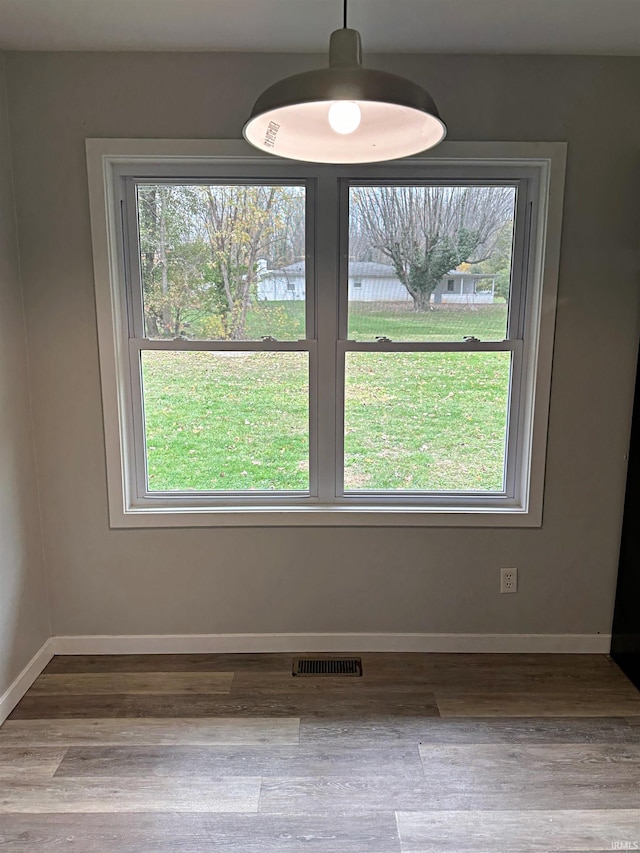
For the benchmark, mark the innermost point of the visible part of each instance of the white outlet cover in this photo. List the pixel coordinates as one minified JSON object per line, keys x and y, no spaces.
{"x":508,"y":580}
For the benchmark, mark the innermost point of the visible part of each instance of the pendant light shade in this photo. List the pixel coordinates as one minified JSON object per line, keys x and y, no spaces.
{"x":344,"y":113}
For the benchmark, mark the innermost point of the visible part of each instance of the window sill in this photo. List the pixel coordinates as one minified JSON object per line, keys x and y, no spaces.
{"x":324,"y":516}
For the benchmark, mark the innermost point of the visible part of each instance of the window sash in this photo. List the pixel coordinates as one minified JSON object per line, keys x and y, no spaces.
{"x":139,"y":471}
{"x":133,"y":307}
{"x":514,"y":448}
{"x":526,"y":191}
{"x":135,"y":296}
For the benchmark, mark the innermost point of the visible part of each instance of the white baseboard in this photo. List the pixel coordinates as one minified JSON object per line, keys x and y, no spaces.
{"x":19,"y":686}
{"x":239,"y":643}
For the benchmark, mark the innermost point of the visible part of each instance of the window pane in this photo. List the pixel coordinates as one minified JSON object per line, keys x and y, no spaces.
{"x":430,"y":263}
{"x":226,"y":420}
{"x":222,"y":262}
{"x":427,"y":421}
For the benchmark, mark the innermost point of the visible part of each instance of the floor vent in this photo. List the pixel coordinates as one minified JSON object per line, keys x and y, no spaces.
{"x":327,"y":666}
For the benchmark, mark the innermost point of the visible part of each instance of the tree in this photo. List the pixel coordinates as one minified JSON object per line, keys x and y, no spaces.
{"x":425,"y":231}
{"x":245,"y":224}
{"x":499,"y":262}
{"x":175,"y":264}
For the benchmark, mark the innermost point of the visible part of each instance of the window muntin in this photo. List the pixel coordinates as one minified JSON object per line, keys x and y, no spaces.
{"x":537,"y":170}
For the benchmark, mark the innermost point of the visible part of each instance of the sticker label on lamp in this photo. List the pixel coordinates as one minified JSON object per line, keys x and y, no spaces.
{"x":271,"y":134}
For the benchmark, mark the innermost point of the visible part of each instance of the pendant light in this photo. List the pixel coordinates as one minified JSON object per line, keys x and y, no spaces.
{"x":344,"y":113}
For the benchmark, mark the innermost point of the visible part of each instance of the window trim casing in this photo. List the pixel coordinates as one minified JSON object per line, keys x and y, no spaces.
{"x":107,"y":158}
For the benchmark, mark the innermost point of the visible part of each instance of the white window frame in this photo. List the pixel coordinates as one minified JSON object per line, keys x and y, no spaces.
{"x":543,"y":167}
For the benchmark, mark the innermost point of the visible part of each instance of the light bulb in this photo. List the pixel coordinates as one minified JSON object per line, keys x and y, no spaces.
{"x":344,"y":116}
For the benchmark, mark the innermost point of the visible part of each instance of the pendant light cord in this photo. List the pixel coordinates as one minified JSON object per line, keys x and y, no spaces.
{"x":344,"y":14}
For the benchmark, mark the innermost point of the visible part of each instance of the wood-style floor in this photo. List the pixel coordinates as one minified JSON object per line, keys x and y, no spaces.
{"x":230,"y":753}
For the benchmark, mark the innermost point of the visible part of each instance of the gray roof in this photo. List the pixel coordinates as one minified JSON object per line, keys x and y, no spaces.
{"x":363,"y":268}
{"x":369,"y":269}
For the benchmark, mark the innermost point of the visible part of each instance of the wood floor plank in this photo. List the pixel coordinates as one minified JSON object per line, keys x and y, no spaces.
{"x":476,"y":777}
{"x":136,"y":794}
{"x":350,"y":733}
{"x":569,"y":703}
{"x":328,"y":704}
{"x":284,"y":683}
{"x":518,"y":831}
{"x":67,"y":664}
{"x":312,"y":795}
{"x":526,"y":776}
{"x":199,"y":833}
{"x":149,"y":732}
{"x":466,"y":661}
{"x":398,"y":761}
{"x":488,"y":669}
{"x":127,"y":682}
{"x":618,"y":687}
{"x":511,"y":673}
{"x":28,"y":763}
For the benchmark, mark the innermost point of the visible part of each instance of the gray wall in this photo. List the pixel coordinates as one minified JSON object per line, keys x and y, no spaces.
{"x":24,"y":624}
{"x":225,"y":580}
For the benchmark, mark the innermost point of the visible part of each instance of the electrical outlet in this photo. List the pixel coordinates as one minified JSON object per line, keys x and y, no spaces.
{"x":508,"y":580}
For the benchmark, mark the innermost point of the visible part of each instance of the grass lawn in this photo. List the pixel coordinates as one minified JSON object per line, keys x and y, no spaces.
{"x":413,"y":420}
{"x":226,"y":421}
{"x":425,"y":420}
{"x":400,"y":323}
{"x":285,"y":321}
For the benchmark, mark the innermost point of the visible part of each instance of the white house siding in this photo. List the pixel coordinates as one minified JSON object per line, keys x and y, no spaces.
{"x":377,"y":289}
{"x":278,"y":287}
{"x":464,"y":290}
{"x":368,"y":283}
{"x":361,"y":289}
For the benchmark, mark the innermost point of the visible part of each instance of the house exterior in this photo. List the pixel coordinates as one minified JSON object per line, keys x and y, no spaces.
{"x":465,"y":288}
{"x":374,"y":282}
